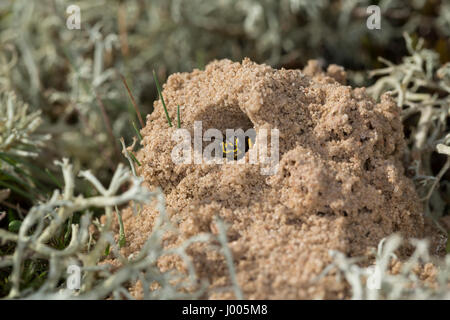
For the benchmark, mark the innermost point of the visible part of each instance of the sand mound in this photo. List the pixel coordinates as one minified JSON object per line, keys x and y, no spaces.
{"x":340,"y":182}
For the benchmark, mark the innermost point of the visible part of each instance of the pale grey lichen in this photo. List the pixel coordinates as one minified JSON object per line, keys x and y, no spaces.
{"x":47,"y":220}
{"x":377,"y":281}
{"x":18,"y":126}
{"x":44,"y":221}
{"x":421,"y":87}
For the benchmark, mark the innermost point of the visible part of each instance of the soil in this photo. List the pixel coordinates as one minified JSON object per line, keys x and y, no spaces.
{"x":340,"y":184}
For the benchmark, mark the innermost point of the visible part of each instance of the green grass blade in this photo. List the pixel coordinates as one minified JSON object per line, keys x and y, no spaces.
{"x":53,"y":178}
{"x":138,"y":133}
{"x":135,"y":159}
{"x":122,"y":237}
{"x":17,"y":190}
{"x":158,"y":87}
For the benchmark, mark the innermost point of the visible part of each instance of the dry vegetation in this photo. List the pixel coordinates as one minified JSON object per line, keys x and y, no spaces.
{"x":62,"y":96}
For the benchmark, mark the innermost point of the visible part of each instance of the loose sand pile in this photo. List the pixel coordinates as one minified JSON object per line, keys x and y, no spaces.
{"x":340,"y":184}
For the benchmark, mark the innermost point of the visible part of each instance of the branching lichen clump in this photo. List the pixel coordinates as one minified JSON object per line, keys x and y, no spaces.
{"x":421,"y":276}
{"x":17,"y":127}
{"x":91,"y":240}
{"x":421,"y":87}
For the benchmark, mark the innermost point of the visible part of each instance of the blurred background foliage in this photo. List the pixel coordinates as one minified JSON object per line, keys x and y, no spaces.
{"x":71,"y":79}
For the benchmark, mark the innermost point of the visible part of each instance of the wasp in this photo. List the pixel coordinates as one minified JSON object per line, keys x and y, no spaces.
{"x":234,"y":146}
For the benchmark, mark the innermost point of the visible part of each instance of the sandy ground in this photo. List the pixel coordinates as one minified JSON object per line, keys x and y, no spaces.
{"x":340,"y":183}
